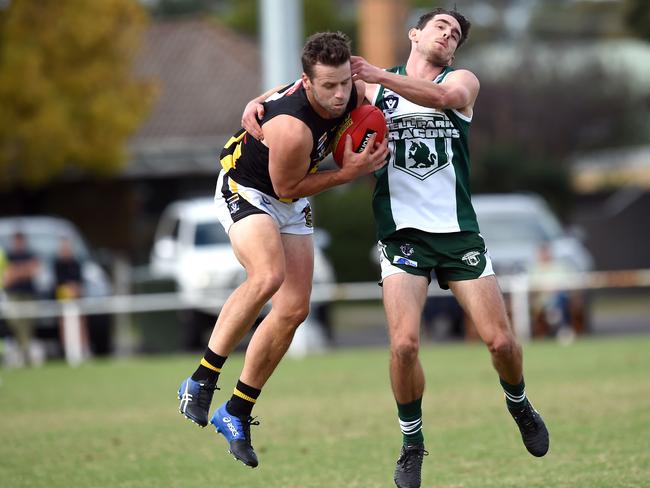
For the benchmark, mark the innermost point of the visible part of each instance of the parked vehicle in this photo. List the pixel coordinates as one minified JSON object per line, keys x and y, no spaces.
{"x":516,"y":225}
{"x":44,"y":235}
{"x":524,"y":236}
{"x":192,"y":249}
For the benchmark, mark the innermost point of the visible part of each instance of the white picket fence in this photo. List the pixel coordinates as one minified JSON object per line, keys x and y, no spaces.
{"x":517,"y":287}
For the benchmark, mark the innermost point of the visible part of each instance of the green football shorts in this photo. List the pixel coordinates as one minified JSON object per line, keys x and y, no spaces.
{"x":455,"y":256}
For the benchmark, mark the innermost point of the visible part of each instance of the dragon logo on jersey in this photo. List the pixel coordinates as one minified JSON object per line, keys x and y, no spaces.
{"x":421,"y":155}
{"x":422,"y":143}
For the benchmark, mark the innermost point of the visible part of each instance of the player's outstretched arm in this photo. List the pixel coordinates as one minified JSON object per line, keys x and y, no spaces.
{"x":458,"y":91}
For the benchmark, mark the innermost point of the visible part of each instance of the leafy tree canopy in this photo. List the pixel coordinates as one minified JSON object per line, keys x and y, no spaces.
{"x":319,"y":15}
{"x":243,"y":15}
{"x":67,"y":96}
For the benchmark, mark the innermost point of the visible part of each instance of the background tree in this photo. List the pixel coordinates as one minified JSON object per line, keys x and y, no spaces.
{"x":637,"y":17}
{"x":319,"y":15}
{"x":346,"y":214}
{"x":530,"y":123}
{"x":67,"y":97}
{"x":175,"y":8}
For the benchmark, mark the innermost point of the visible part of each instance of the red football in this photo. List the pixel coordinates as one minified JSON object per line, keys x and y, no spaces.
{"x":360,"y":123}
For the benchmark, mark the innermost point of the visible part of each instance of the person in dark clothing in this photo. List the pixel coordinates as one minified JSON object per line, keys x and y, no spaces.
{"x":67,"y":270}
{"x":261,"y":203}
{"x":22,"y":266}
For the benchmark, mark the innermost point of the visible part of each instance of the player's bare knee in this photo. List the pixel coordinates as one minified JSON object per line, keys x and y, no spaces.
{"x":502,"y":345}
{"x":291,"y":316}
{"x":298,"y":315}
{"x":405,"y":350}
{"x":266,"y":284}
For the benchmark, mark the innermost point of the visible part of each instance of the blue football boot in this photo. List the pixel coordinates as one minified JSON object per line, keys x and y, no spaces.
{"x":195,"y":397}
{"x":237,"y":431}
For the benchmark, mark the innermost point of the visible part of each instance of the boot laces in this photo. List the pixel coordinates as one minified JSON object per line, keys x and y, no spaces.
{"x":526,"y":419}
{"x":246,"y":423}
{"x":411,"y":457}
{"x":204,"y":397}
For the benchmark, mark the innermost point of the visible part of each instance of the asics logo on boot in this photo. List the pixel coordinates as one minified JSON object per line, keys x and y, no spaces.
{"x":186,"y":398}
{"x":231,"y":427}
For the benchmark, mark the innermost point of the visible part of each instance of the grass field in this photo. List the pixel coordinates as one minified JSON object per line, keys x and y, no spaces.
{"x":330,"y":421}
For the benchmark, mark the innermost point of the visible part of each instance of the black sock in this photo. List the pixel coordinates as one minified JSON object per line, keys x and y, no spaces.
{"x":243,"y":399}
{"x":515,"y":394}
{"x":210,"y":367}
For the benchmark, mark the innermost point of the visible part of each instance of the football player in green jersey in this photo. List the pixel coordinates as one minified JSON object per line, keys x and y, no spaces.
{"x":426,"y":223}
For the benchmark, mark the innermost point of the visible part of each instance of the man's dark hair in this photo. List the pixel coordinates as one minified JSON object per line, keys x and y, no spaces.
{"x":462,"y":20}
{"x":328,"y":48}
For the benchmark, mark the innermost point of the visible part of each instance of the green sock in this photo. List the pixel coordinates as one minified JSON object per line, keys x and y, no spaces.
{"x":515,"y":394}
{"x":410,"y":421}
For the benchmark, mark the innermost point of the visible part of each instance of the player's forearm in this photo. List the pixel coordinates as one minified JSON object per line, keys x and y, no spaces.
{"x":267,"y":94}
{"x":312,"y":184}
{"x":420,"y":92}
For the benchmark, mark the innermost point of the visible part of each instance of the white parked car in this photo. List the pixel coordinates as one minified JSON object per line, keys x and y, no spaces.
{"x":44,"y":234}
{"x":192,"y":249}
{"x":524,"y":236}
{"x":515,"y":226}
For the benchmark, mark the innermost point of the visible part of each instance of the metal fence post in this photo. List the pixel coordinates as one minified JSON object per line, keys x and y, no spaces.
{"x":520,"y":307}
{"x":122,"y":279}
{"x":72,"y":343}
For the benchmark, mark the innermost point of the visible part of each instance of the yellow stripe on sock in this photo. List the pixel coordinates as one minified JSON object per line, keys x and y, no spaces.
{"x":209,"y":366}
{"x":244,"y":396}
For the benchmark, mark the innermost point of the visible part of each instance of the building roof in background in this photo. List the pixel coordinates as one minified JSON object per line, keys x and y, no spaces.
{"x":612,"y":168}
{"x":205,"y":75}
{"x":502,"y":59}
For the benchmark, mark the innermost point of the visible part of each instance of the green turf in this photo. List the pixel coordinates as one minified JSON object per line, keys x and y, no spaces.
{"x":330,"y":421}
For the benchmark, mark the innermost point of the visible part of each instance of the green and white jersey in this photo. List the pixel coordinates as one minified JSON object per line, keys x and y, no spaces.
{"x":425,"y":184}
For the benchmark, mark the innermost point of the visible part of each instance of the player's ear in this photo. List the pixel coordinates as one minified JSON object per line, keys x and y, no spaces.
{"x":306,"y":83}
{"x":413,"y":34}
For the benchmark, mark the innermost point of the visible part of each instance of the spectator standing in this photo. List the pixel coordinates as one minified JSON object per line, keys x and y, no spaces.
{"x":67,"y":270}
{"x":21,"y":268}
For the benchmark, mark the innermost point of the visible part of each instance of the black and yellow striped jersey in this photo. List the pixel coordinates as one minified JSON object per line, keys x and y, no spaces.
{"x":246,"y":160}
